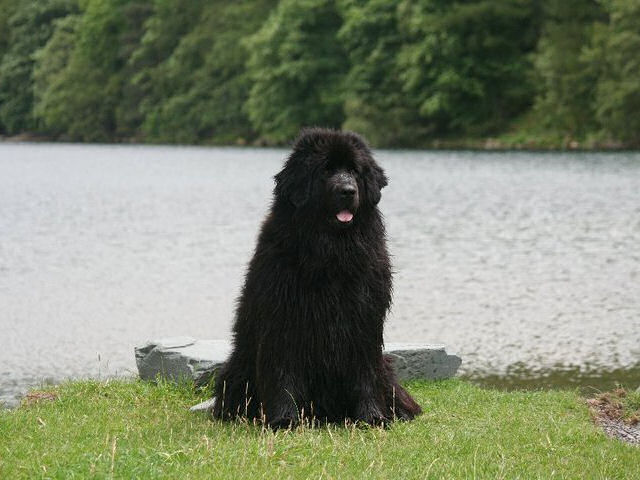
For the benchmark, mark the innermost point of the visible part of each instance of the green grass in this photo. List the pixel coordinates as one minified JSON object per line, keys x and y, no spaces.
{"x":121,"y":429}
{"x":631,"y":405}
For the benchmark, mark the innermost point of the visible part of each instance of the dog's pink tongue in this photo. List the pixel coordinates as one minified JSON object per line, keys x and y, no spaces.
{"x":345,"y":216}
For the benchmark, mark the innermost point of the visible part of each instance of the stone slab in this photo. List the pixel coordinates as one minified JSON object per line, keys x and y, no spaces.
{"x":415,"y":361}
{"x":185,"y":358}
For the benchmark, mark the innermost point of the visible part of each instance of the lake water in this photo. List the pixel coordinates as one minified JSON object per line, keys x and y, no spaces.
{"x":525,"y":264}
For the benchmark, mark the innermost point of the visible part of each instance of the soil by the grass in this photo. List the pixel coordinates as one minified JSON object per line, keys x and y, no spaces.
{"x":615,"y":416}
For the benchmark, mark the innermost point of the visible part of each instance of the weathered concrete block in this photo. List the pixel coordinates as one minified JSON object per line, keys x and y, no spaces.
{"x":181,"y":358}
{"x":415,"y":361}
{"x":184,"y":358}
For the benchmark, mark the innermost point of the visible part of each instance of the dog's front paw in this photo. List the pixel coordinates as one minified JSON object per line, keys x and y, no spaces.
{"x":371,"y":414}
{"x":285,"y":422}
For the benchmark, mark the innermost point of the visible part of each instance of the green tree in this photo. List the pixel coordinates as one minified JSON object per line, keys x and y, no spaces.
{"x":205,"y":82}
{"x":615,"y":58}
{"x":128,"y":115}
{"x":49,"y":80}
{"x":297,"y":68}
{"x":30,"y":27}
{"x":467,"y":62}
{"x":375,"y":103}
{"x":155,"y":75}
{"x":80,"y":91}
{"x":7,"y":9}
{"x":566,"y":85}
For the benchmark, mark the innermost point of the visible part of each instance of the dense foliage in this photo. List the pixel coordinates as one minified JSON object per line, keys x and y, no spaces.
{"x":404,"y":73}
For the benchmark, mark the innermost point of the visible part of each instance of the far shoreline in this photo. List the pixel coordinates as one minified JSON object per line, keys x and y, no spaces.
{"x":488,"y":144}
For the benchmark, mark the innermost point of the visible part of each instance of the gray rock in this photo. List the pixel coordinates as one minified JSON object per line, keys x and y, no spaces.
{"x":418,"y":361}
{"x":184,"y":358}
{"x":181,"y":358}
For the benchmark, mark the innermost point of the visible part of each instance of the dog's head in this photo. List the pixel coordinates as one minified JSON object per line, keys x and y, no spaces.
{"x":331,"y":173}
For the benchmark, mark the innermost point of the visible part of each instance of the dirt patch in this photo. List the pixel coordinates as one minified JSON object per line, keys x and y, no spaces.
{"x":618,"y":414}
{"x":37,"y":397}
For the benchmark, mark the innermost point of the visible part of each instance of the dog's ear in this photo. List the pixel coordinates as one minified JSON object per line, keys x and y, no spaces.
{"x":374,"y":177}
{"x":375,"y":180}
{"x":293,"y":184}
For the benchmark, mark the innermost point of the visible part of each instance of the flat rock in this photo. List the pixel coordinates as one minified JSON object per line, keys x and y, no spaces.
{"x":181,"y":358}
{"x":418,"y":361}
{"x":187,"y":359}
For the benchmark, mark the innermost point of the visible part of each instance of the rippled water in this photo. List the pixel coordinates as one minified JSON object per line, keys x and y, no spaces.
{"x":522,"y":263}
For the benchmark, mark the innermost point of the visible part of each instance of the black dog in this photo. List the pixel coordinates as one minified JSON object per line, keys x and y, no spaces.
{"x":308,"y":327}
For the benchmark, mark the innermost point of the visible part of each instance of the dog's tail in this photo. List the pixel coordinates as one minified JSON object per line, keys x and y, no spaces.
{"x":401,"y":404}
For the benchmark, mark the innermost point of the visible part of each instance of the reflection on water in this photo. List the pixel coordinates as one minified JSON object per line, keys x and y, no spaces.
{"x":509,"y":259}
{"x":587,"y":381}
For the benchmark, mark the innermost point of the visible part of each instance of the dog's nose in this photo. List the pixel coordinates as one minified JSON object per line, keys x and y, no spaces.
{"x":347,"y":190}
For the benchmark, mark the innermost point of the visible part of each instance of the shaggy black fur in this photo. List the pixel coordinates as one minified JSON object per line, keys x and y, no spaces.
{"x":308,"y":327}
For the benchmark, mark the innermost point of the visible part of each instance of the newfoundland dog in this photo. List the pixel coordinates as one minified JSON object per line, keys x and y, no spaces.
{"x":307,"y":342}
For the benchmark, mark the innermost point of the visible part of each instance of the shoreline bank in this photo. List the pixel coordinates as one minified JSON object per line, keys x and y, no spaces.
{"x":489,"y":144}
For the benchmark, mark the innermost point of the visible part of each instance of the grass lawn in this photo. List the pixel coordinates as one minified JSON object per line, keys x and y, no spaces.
{"x":131,"y":429}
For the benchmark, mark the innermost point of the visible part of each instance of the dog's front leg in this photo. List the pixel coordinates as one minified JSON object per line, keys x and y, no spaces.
{"x":369,"y":407}
{"x":281,"y":400}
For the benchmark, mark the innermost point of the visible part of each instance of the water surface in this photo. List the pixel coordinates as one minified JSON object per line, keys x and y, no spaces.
{"x":522,"y":263}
